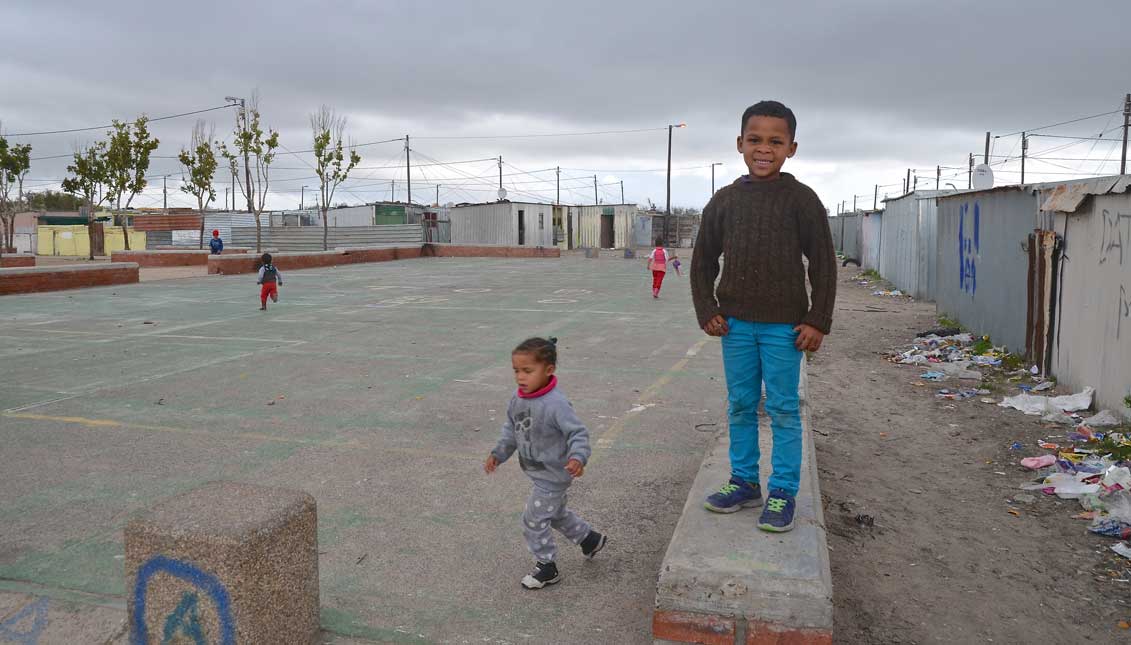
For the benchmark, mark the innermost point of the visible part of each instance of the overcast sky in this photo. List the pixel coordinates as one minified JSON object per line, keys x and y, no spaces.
{"x":878,"y":87}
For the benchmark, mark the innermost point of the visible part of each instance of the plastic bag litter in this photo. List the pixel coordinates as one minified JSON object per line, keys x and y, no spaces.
{"x":1034,"y":404}
{"x":1065,"y":485}
{"x":1122,"y":549}
{"x":1036,"y":463}
{"x":1118,"y":476}
{"x":917,"y":359}
{"x":1059,"y":417}
{"x":1104,"y":419}
{"x":932,"y":376}
{"x":960,"y":370}
{"x":1041,"y":387}
{"x":986,"y":360}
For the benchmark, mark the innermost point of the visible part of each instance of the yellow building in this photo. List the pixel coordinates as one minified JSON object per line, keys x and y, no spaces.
{"x":74,"y":240}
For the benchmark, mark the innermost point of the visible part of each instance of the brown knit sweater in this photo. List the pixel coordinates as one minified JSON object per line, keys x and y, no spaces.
{"x":763,"y":229}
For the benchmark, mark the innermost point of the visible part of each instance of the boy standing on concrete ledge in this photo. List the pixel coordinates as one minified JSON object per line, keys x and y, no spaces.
{"x":763,"y":224}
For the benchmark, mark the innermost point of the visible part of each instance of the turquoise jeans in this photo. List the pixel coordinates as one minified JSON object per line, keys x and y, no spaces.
{"x":754,"y":353}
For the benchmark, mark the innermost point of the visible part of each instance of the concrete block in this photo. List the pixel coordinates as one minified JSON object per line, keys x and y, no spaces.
{"x":231,"y":562}
{"x":775,"y":588}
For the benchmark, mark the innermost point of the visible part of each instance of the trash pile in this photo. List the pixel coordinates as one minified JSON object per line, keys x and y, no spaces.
{"x":1091,"y":467}
{"x":949,"y":355}
{"x":886,"y":292}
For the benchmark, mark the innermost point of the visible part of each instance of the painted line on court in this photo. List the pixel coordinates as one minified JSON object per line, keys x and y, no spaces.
{"x":352,"y":444}
{"x":646,"y":397}
{"x":112,"y":423}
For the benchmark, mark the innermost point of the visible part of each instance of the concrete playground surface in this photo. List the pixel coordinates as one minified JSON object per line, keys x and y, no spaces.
{"x":378,"y":389}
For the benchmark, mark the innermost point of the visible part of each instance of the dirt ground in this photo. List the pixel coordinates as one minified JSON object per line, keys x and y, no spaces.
{"x":917,"y":493}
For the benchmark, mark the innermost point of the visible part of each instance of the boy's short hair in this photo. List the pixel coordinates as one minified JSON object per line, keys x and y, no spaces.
{"x":770,"y":108}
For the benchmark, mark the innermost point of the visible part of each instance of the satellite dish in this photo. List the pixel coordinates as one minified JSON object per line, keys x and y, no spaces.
{"x":983,"y":177}
{"x":502,"y":194}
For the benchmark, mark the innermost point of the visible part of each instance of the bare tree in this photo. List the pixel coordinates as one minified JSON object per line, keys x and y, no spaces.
{"x":329,"y":158}
{"x":200,"y":162}
{"x":15,"y":161}
{"x":257,"y":151}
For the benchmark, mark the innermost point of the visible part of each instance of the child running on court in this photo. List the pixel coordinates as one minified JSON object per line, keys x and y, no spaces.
{"x":675,"y":263}
{"x":763,"y":224}
{"x":553,"y":448}
{"x":658,"y":264}
{"x":271,"y":280}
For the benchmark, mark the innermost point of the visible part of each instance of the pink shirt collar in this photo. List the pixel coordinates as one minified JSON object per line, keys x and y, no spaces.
{"x":543,"y":392}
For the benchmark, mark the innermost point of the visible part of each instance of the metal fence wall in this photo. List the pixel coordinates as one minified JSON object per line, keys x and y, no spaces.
{"x":1093,"y":336}
{"x":309,"y":238}
{"x":871,"y":240}
{"x":983,"y":267}
{"x":909,"y":250}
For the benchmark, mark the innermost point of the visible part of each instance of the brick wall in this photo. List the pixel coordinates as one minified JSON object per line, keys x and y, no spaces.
{"x":59,"y":278}
{"x":17,"y":261}
{"x":154,"y":258}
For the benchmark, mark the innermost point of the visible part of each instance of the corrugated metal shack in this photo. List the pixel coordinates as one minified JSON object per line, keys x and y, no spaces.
{"x":507,"y":223}
{"x":908,"y":239}
{"x":606,"y":226}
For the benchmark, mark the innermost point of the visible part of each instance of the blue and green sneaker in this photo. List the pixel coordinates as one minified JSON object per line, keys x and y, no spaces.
{"x":735,"y":495}
{"x":777,"y":516}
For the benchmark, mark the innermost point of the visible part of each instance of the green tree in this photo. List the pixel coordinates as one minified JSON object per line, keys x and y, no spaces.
{"x":51,"y":200}
{"x":15,"y":161}
{"x":257,"y":150}
{"x":200,"y":162}
{"x":329,"y":158}
{"x":89,"y":181}
{"x":127,"y":161}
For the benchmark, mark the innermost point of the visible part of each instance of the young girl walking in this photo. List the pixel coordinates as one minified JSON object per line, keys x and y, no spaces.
{"x":553,"y":448}
{"x":658,"y":264}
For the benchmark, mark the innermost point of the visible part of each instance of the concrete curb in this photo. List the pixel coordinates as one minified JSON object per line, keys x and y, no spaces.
{"x":724,"y":581}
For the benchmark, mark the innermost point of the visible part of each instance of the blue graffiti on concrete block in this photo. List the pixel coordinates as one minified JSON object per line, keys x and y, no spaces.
{"x":184,"y":621}
{"x":37,"y":611}
{"x":205,"y":582}
{"x":969,"y":245}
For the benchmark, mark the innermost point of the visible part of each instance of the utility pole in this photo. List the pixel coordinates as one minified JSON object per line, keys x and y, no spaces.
{"x":854,"y":203}
{"x":437,"y":194}
{"x":500,"y":177}
{"x":938,"y":176}
{"x":876,"y":197}
{"x":717,"y":163}
{"x":393,"y":190}
{"x":907,"y":182}
{"x":986,"y":156}
{"x":558,"y":181}
{"x":302,"y":199}
{"x":408,"y":168}
{"x":622,"y":191}
{"x":1024,"y":149}
{"x":596,"y":200}
{"x":246,"y":162}
{"x":915,"y":186}
{"x":225,"y":199}
{"x":970,"y":173}
{"x":234,"y":185}
{"x":165,"y":193}
{"x":1126,"y":124}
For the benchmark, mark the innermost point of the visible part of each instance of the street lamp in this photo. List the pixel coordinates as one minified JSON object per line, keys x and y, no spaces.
{"x":717,"y":163}
{"x":668,"y":210}
{"x":246,"y":168}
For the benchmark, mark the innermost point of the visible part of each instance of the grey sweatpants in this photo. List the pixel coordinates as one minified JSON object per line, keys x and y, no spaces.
{"x":545,"y":511}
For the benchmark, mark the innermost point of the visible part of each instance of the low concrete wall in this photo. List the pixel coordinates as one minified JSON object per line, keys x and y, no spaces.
{"x":181,"y":258}
{"x":488,"y":251}
{"x":33,"y":280}
{"x":227,"y":249}
{"x":233,"y":264}
{"x":21,"y":260}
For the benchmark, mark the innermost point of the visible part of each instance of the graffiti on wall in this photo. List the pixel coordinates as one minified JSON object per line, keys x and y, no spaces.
{"x":26,"y":625}
{"x":969,"y":245}
{"x":1115,"y":235}
{"x":184,"y":621}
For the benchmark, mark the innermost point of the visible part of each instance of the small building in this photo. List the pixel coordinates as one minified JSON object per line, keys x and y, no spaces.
{"x":606,"y":226}
{"x":506,"y":222}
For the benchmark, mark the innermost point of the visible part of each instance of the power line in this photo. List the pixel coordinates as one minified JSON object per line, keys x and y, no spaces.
{"x":1045,"y":127}
{"x":102,"y":127}
{"x":536,"y":136}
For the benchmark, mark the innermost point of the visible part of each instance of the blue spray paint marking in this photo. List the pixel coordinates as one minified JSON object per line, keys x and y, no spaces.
{"x":969,"y":247}
{"x":8,"y":631}
{"x":206,"y":582}
{"x":184,"y":620}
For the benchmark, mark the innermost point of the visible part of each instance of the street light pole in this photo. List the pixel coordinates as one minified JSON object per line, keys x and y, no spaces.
{"x":717,"y":163}
{"x":668,"y":208}
{"x":246,"y":163}
{"x":302,"y":199}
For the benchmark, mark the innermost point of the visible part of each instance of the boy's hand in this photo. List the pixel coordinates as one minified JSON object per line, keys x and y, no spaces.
{"x":491,"y":464}
{"x":809,"y":338}
{"x":717,"y":326}
{"x":575,"y":468}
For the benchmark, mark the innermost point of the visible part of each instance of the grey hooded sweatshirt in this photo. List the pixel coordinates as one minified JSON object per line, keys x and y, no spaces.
{"x":547,"y":434}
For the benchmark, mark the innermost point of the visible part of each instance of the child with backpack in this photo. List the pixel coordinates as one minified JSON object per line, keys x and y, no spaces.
{"x":271,"y":280}
{"x":658,"y":265}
